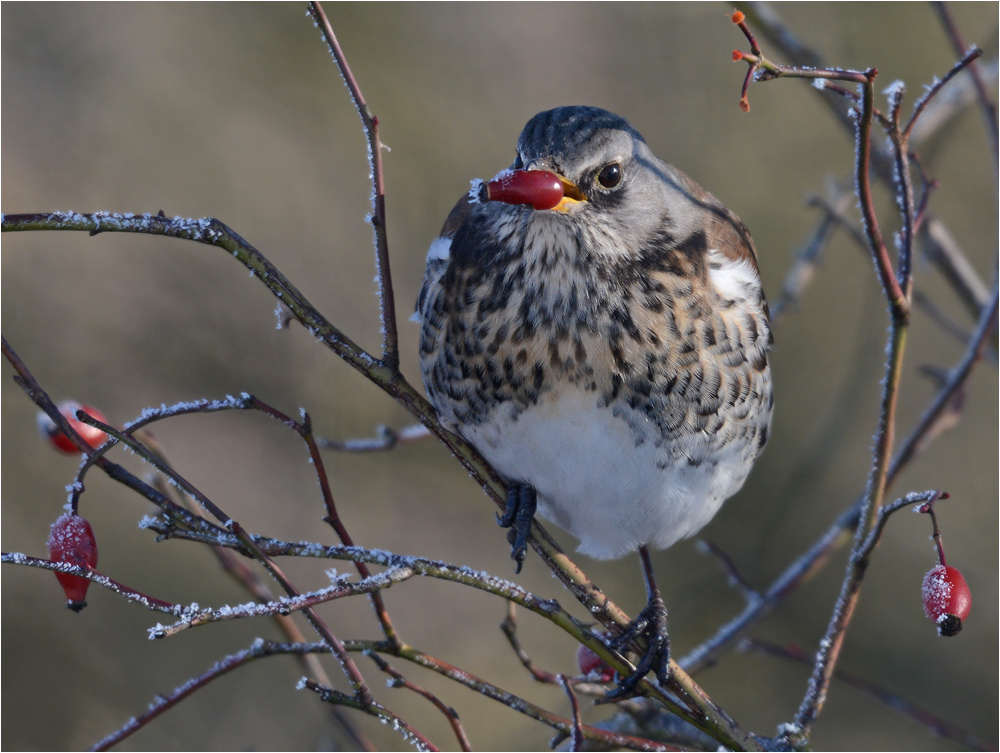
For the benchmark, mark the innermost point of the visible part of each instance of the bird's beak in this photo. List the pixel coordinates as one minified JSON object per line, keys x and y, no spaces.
{"x":571,"y":195}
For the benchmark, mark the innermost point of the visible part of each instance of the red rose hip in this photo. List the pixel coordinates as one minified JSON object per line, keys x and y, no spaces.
{"x":71,"y":540}
{"x":591,"y":664}
{"x":539,"y":188}
{"x":90,"y":434}
{"x":947,"y":599}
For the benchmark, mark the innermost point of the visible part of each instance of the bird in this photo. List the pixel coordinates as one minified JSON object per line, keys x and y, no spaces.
{"x":593,"y":322}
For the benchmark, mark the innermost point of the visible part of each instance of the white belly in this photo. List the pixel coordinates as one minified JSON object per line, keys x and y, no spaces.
{"x":602,"y":481}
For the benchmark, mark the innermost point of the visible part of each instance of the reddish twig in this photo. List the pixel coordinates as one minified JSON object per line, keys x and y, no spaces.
{"x":986,"y":102}
{"x":130,"y":594}
{"x":304,"y":430}
{"x":968,"y":58}
{"x":575,"y":709}
{"x":398,"y":680}
{"x":509,"y":629}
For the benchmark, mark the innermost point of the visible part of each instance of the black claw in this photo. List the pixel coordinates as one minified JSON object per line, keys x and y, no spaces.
{"x":651,"y":624}
{"x":520,"y":510}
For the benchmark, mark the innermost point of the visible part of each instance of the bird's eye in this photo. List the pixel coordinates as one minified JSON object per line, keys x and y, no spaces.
{"x":610,"y":175}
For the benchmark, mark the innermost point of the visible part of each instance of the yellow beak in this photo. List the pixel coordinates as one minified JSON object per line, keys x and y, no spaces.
{"x":571,"y":195}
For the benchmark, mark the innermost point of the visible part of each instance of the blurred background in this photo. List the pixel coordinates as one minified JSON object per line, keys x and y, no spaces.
{"x":237,"y":112}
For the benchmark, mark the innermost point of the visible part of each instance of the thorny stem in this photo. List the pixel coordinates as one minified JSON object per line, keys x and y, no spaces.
{"x":387,"y":301}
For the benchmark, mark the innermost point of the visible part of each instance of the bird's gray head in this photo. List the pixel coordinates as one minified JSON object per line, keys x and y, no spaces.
{"x":560,"y":138}
{"x":612,"y":181}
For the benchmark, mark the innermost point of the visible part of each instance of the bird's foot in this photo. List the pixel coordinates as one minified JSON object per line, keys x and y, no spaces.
{"x":521,"y":504}
{"x":651,"y":624}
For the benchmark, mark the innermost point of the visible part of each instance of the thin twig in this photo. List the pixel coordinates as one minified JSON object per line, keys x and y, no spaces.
{"x":926,"y":304}
{"x":81,"y":571}
{"x":398,"y":680}
{"x":750,"y":593}
{"x":336,"y":647}
{"x":387,"y":304}
{"x":986,"y":102}
{"x":304,"y":430}
{"x":575,"y":708}
{"x":380,"y":712}
{"x":509,"y":629}
{"x":240,"y":569}
{"x":968,"y":57}
{"x":258,"y":650}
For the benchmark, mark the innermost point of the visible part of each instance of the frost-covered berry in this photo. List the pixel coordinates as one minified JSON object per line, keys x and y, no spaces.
{"x":947,"y":599}
{"x":539,"y":188}
{"x":71,"y":540}
{"x":592,"y":665}
{"x":90,"y":434}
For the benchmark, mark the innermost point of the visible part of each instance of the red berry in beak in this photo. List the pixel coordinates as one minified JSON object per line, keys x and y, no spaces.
{"x":90,"y":434}
{"x":71,"y":540}
{"x":947,"y":599}
{"x":539,"y":188}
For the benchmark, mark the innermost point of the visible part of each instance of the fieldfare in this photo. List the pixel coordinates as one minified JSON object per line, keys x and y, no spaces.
{"x":593,"y":323}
